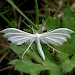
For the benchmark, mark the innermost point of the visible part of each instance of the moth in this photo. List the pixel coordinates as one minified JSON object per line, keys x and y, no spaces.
{"x":56,"y":37}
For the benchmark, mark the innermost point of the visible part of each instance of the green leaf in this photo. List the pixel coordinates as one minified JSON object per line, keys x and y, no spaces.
{"x":62,"y":56}
{"x":49,"y":23}
{"x":35,"y":55}
{"x":18,"y":49}
{"x":57,"y":23}
{"x":67,"y":66}
{"x":68,"y":12}
{"x":47,"y":14}
{"x":47,"y":52}
{"x":73,"y":60}
{"x":68,"y":19}
{"x":26,"y":67}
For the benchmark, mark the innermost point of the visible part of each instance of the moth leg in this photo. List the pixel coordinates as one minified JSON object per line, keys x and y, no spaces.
{"x":27,"y":48}
{"x":50,"y":46}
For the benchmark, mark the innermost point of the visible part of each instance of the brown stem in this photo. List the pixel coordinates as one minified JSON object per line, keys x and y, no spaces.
{"x":9,"y":67}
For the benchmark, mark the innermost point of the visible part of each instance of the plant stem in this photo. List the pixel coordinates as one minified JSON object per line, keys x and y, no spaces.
{"x":30,"y":22}
{"x":21,"y":73}
{"x":9,"y":23}
{"x":37,"y":13}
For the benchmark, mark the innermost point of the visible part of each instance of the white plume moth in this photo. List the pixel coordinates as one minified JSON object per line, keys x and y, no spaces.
{"x":56,"y":37}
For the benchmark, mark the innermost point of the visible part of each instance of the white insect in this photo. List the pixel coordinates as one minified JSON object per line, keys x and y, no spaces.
{"x":56,"y":37}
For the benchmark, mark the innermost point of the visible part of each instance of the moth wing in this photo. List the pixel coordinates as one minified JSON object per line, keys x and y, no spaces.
{"x":17,"y":36}
{"x":57,"y":36}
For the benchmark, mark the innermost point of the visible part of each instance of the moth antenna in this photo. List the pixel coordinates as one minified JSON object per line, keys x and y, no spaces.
{"x":28,"y":26}
{"x":33,"y":30}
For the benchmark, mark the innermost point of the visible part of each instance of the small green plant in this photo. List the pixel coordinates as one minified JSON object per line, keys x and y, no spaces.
{"x":57,"y":62}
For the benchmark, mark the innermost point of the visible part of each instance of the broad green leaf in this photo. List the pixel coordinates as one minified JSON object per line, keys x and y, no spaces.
{"x":57,"y":23}
{"x":47,"y":14}
{"x":73,"y":61}
{"x":36,"y":68}
{"x":35,"y":55}
{"x":68,"y":19}
{"x":27,"y":66}
{"x":49,"y":23}
{"x":18,"y":49}
{"x":62,"y":56}
{"x":68,"y":12}
{"x":46,"y":50}
{"x":67,"y":66}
